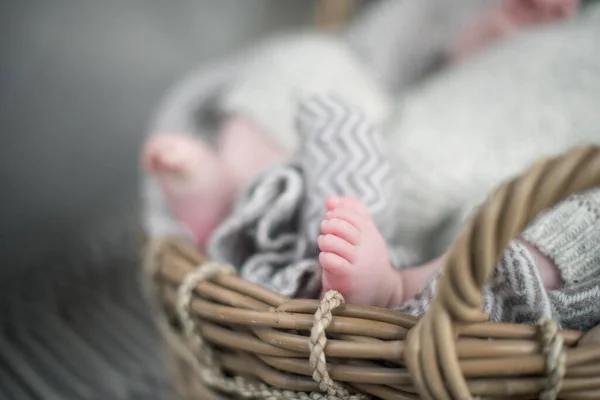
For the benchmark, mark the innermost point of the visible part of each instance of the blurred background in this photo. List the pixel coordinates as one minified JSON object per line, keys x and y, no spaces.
{"x":78,"y":84}
{"x":79,"y":81}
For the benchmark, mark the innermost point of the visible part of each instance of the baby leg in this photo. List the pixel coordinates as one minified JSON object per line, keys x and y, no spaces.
{"x":246,"y":150}
{"x":199,"y":183}
{"x":196,"y":185}
{"x":508,"y":17}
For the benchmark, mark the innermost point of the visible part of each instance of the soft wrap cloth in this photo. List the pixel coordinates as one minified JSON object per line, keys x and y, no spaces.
{"x":272,"y":232}
{"x":452,"y":139}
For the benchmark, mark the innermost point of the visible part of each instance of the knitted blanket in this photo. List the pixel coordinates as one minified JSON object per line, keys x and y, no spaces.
{"x":271,"y":235}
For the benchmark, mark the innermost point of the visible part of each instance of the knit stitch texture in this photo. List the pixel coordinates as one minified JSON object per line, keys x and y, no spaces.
{"x":451,"y":140}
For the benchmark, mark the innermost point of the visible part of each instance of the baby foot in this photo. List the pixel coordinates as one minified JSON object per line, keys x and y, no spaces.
{"x":508,"y":18}
{"x":196,"y":185}
{"x":354,"y":255}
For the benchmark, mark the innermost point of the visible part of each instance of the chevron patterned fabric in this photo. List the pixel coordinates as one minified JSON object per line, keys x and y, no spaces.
{"x":342,"y":154}
{"x":272,"y":233}
{"x":261,"y":235}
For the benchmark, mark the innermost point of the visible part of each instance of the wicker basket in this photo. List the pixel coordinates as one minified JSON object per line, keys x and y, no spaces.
{"x":239,"y":340}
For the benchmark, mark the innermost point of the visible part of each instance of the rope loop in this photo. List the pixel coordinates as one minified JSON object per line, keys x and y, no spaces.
{"x":318,"y":341}
{"x":185,"y":292}
{"x":553,"y":349}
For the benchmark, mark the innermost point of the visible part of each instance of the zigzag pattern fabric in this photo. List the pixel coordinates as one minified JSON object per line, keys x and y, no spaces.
{"x":342,"y":154}
{"x":273,"y":230}
{"x":261,"y":236}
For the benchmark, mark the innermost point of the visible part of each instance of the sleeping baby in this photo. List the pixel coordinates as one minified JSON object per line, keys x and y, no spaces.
{"x":353,"y":250}
{"x":431,"y":163}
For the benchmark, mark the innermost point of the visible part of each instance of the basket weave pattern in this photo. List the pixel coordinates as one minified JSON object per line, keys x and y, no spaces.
{"x":244,"y":341}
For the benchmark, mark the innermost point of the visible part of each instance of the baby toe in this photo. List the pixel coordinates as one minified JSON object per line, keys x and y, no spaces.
{"x":354,"y":204}
{"x":333,"y":263}
{"x":151,"y":152}
{"x":350,"y":216}
{"x":332,"y":202}
{"x":158,"y":161}
{"x":336,"y":245}
{"x":337,"y":274}
{"x":161,"y":154}
{"x":342,"y":229}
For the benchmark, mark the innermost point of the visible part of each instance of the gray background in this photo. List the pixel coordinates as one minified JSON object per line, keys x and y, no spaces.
{"x":79,"y":81}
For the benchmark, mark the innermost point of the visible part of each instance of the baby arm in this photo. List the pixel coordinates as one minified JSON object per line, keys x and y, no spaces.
{"x":549,"y":272}
{"x":405,"y":41}
{"x":552,"y":270}
{"x":567,"y":237}
{"x":508,"y":17}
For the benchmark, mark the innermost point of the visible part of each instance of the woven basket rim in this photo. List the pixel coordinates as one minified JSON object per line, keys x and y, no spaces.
{"x":291,"y":347}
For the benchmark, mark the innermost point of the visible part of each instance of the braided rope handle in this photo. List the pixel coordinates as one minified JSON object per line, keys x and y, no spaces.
{"x":552,"y":347}
{"x":431,"y":350}
{"x":199,"y":359}
{"x":184,"y":298}
{"x":318,"y":340}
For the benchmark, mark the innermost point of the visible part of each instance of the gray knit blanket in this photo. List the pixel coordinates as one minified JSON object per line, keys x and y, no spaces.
{"x":272,"y":231}
{"x":271,"y":235}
